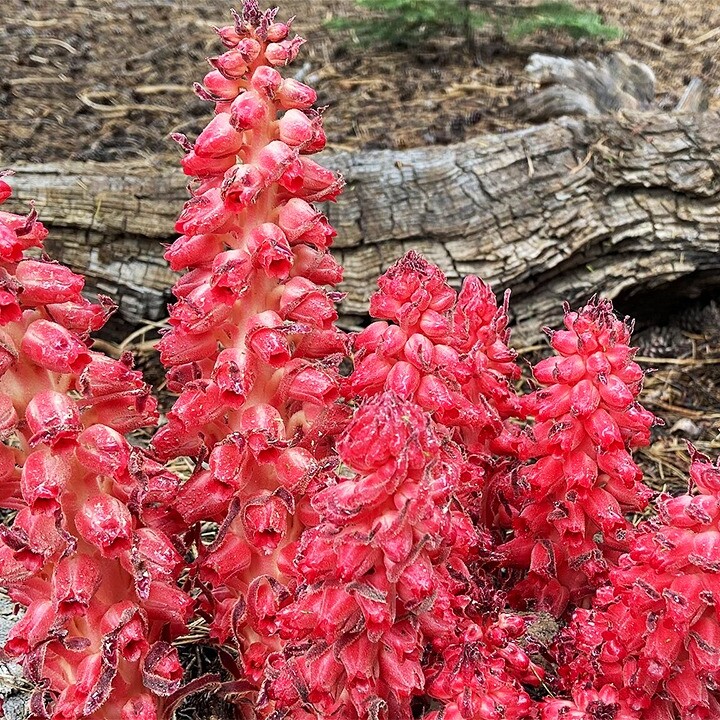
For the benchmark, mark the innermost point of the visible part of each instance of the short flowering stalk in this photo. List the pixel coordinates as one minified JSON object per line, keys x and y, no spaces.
{"x":654,"y":633}
{"x":445,"y":351}
{"x":96,"y":580}
{"x":385,"y":569}
{"x":448,"y":352}
{"x":582,"y":479}
{"x":252,"y":350}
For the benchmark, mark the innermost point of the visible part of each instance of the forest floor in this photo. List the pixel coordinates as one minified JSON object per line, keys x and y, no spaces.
{"x":110,"y":79}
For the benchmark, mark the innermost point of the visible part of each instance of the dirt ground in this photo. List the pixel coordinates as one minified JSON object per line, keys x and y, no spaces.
{"x":108,"y":80}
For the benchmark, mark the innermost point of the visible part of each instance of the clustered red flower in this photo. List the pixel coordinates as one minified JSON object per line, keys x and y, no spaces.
{"x":252,"y":348}
{"x":570,"y":523}
{"x":83,"y":554}
{"x":654,"y":633}
{"x":386,"y":567}
{"x":374,"y":544}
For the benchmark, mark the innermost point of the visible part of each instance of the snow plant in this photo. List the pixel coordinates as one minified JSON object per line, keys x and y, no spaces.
{"x":85,"y":553}
{"x":570,"y":521}
{"x":653,"y":633}
{"x":376,"y":520}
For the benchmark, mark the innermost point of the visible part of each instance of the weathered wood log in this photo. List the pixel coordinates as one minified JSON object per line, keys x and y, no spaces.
{"x":623,"y":206}
{"x":575,"y":86}
{"x":695,"y":98}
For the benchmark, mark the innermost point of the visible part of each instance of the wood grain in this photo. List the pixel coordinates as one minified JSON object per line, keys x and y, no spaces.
{"x":620,"y":206}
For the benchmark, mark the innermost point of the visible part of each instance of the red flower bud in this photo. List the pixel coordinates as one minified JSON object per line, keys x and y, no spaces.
{"x":32,"y":629}
{"x":206,"y":167}
{"x":74,"y":582}
{"x":279,"y":162}
{"x":198,"y":406}
{"x":294,"y":94}
{"x":248,"y":111}
{"x":241,"y":187}
{"x":219,"y":138}
{"x":43,"y":479}
{"x":302,"y":223}
{"x":54,"y":348}
{"x":162,"y":672}
{"x":267,"y":338}
{"x":264,"y":430}
{"x":283,"y":52}
{"x":141,"y":707}
{"x":47,"y":282}
{"x":266,"y":81}
{"x":403,"y":380}
{"x":168,"y":604}
{"x":103,"y":451}
{"x":158,"y":554}
{"x":81,"y":316}
{"x":205,"y":213}
{"x":6,"y":190}
{"x":53,"y":419}
{"x":278,"y":31}
{"x":203,"y":309}
{"x":318,"y":183}
{"x":106,"y":523}
{"x":233,"y":64}
{"x":219,"y":87}
{"x":204,"y":497}
{"x":304,"y":301}
{"x":311,"y":385}
{"x":232,"y":269}
{"x":249,"y":48}
{"x":227,"y":461}
{"x":191,"y":250}
{"x":269,"y":249}
{"x":234,"y":376}
{"x":179,"y":347}
{"x":231,"y":557}
{"x":298,"y":130}
{"x":295,"y":467}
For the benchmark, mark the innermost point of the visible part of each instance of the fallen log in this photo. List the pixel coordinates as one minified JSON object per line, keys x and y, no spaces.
{"x":625,"y":206}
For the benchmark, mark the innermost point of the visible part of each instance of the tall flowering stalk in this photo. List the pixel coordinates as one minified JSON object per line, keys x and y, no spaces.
{"x":445,"y":351}
{"x":97,"y":580}
{"x":582,"y":479}
{"x":252,"y":349}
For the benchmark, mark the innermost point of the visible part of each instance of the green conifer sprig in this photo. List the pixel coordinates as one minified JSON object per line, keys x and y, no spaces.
{"x":400,"y":23}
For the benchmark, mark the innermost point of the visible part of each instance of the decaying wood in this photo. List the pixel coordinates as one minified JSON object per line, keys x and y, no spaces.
{"x":620,"y":206}
{"x":695,"y":98}
{"x":574,"y":86}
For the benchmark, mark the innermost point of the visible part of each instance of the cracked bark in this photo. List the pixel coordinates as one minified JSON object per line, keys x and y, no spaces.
{"x":627,"y":207}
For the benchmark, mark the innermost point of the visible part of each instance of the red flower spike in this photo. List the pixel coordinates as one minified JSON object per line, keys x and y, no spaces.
{"x":106,"y":523}
{"x":74,"y":545}
{"x":44,"y":283}
{"x":366,"y":571}
{"x":54,"y":348}
{"x":654,"y":632}
{"x":252,"y":350}
{"x":575,"y":497}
